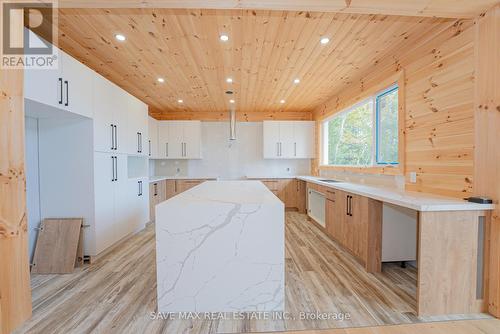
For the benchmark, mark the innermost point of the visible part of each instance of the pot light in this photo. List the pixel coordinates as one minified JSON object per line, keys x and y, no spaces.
{"x":296,"y":81}
{"x":224,"y":38}
{"x":120,"y":37}
{"x":324,"y":40}
{"x":231,"y":101}
{"x":229,"y":80}
{"x":161,"y":80}
{"x":282,"y":101}
{"x":180,"y":101}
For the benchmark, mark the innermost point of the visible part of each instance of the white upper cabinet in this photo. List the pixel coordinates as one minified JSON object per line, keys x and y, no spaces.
{"x":104,"y":125}
{"x":120,"y":120}
{"x":137,"y":126}
{"x":288,"y":139}
{"x":77,"y":86}
{"x":69,"y":87}
{"x":153,"y":138}
{"x":179,"y":139}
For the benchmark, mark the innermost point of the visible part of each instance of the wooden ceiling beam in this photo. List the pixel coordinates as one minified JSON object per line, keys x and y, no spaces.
{"x":429,"y":8}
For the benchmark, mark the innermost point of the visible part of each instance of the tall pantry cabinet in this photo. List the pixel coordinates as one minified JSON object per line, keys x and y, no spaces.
{"x":94,"y":146}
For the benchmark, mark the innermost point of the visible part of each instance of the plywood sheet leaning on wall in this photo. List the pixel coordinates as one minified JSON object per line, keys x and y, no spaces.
{"x":57,"y":246}
{"x":15,"y":292}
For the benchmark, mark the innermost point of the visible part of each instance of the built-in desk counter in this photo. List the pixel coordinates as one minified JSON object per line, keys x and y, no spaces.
{"x":450,"y":240}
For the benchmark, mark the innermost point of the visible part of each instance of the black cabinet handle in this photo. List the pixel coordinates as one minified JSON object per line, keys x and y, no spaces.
{"x":140,"y":188}
{"x":149,"y":148}
{"x":116,"y":137}
{"x":140,"y":141}
{"x":67,"y":92}
{"x":112,"y":137}
{"x":61,"y":90}
{"x":116,"y":168}
{"x":156,"y":189}
{"x":112,"y":169}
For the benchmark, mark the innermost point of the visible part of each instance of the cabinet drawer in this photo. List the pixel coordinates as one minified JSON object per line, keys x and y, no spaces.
{"x":330,"y":194}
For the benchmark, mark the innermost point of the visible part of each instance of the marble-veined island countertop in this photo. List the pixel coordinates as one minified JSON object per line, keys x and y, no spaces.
{"x":220,"y":248}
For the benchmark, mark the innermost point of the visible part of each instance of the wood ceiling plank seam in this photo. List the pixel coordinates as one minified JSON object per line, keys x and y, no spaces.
{"x":311,"y":53}
{"x":260,"y":39}
{"x":214,"y":58}
{"x":280,"y":50}
{"x":276,"y":24}
{"x":349,"y":29}
{"x":274,"y":54}
{"x":191,"y":57}
{"x":304,"y":44}
{"x":384,"y":57}
{"x":247,"y":56}
{"x":344,"y":61}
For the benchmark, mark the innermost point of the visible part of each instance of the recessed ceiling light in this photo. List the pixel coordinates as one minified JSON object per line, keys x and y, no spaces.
{"x":224,"y":38}
{"x":229,"y":80}
{"x":231,"y":101}
{"x":282,"y":101}
{"x":324,"y":40}
{"x":161,"y":80}
{"x":120,"y":37}
{"x":180,"y":101}
{"x":296,"y":81}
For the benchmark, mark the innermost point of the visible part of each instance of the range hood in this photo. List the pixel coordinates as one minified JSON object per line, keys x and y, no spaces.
{"x":232,"y":124}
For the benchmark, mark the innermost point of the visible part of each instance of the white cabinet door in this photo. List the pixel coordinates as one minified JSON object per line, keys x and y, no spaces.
{"x":287,"y":141}
{"x":121,"y":100}
{"x":104,"y":200}
{"x":103,"y":104}
{"x":45,"y":86}
{"x":304,"y":139}
{"x":142,"y":112}
{"x":175,"y":140}
{"x":271,"y":139}
{"x":163,"y":138}
{"x":124,"y":195}
{"x":192,"y":139}
{"x":153,"y":137}
{"x":77,"y":86}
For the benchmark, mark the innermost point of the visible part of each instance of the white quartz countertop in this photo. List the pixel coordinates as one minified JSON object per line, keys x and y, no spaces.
{"x":408,"y":199}
{"x":283,"y":176}
{"x":242,"y":192}
{"x":161,"y":178}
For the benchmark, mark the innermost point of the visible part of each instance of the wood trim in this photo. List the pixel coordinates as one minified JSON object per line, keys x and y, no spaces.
{"x":397,"y":78}
{"x":487,"y":137}
{"x":15,"y":292}
{"x":430,"y":8}
{"x":257,"y":116}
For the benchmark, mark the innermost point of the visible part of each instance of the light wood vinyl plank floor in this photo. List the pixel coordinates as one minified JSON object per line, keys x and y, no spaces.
{"x":117,"y":294}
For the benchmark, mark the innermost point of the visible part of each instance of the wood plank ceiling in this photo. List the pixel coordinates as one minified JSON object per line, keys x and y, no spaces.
{"x":266,"y":51}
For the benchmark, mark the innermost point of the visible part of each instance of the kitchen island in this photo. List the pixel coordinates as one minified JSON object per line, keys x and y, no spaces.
{"x":220,"y":248}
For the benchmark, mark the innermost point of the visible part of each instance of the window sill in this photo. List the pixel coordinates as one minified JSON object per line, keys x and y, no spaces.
{"x":383,"y":170}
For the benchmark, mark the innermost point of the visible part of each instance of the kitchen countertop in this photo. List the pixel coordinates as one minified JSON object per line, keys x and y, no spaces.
{"x":408,"y":199}
{"x":224,"y":240}
{"x":283,"y":176}
{"x":161,"y":178}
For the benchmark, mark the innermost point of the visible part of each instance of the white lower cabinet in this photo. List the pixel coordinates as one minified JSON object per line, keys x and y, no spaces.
{"x":120,"y":206}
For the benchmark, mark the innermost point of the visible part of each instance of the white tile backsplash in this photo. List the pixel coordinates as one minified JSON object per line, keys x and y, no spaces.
{"x":231,"y":159}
